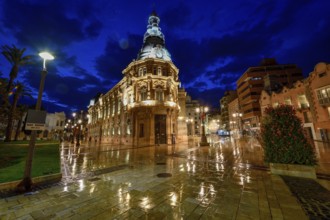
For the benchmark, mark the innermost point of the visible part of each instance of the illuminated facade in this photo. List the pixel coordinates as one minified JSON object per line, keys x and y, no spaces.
{"x":144,"y":107}
{"x":311,"y":98}
{"x":269,"y":76}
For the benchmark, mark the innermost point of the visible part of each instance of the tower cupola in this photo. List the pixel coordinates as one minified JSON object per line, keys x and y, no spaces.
{"x":154,"y":41}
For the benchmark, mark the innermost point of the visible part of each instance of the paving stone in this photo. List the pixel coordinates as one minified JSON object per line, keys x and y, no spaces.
{"x":203,"y":186}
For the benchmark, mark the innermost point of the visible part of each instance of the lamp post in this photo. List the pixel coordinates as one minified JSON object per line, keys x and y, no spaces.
{"x":202,"y":110}
{"x":26,"y":183}
{"x":73,"y":127}
{"x":238,"y":116}
{"x":78,"y":133}
{"x":189,"y":121}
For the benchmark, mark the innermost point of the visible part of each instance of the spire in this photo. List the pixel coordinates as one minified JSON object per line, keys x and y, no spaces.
{"x":154,"y":40}
{"x":153,"y":33}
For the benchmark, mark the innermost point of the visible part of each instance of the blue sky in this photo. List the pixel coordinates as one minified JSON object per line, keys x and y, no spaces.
{"x":211,"y":42}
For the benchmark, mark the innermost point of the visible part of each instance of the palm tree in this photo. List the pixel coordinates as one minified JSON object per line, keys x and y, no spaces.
{"x":20,"y":91}
{"x":21,"y":110}
{"x":14,"y":56}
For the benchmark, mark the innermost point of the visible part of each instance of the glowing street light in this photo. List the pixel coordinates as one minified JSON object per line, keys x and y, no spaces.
{"x":26,"y":183}
{"x":202,"y":110}
{"x":238,"y":117}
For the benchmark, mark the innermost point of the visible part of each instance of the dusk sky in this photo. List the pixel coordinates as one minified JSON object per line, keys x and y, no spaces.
{"x":211,"y":42}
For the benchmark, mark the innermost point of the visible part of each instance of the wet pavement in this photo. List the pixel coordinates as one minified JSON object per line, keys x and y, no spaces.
{"x":227,"y":180}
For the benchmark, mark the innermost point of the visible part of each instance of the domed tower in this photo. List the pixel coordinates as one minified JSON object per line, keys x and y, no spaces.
{"x":152,"y":90}
{"x":143,"y":108}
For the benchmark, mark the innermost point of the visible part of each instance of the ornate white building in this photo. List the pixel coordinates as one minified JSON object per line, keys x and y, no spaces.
{"x":144,"y":107}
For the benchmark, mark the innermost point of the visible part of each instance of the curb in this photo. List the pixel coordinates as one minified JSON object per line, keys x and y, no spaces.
{"x":37,"y":181}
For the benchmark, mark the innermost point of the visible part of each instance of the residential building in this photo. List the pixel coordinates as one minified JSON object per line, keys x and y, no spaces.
{"x":318,"y":87}
{"x":311,"y":99}
{"x":227,"y":98}
{"x":269,"y":76}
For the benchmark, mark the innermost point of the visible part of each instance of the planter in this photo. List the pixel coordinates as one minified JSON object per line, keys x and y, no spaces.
{"x":293,"y":170}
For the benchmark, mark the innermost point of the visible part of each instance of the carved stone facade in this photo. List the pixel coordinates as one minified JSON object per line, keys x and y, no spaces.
{"x":143,"y":108}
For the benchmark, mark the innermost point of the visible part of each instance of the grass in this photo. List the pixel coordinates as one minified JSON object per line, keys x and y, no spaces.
{"x":13,"y":155}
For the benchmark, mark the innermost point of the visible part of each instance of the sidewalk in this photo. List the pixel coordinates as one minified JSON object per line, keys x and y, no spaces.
{"x":223,"y":181}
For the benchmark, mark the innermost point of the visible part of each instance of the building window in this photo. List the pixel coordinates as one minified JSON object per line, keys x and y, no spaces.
{"x":143,"y":94}
{"x":141,"y":134}
{"x":113,"y":107}
{"x":155,"y":71}
{"x":119,"y":105}
{"x":302,"y":101}
{"x":323,"y":95}
{"x":140,"y":71}
{"x":144,"y":71}
{"x":164,"y":72}
{"x":128,"y":127}
{"x":322,"y":74}
{"x":159,"y":72}
{"x":287,"y":101}
{"x":159,"y":94}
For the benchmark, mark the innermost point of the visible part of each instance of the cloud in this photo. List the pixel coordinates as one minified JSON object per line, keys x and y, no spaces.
{"x":46,"y":23}
{"x":118,"y":53}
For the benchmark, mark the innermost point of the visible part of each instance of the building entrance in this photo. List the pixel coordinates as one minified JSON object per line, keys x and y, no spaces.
{"x":160,"y":129}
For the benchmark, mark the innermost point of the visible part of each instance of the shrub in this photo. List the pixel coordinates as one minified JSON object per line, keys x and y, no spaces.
{"x":283,"y":137}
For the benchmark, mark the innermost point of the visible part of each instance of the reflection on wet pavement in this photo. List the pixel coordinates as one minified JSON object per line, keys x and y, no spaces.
{"x":227,"y":180}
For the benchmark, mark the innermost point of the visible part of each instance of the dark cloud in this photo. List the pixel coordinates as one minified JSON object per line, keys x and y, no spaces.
{"x":211,"y":43}
{"x":93,"y":29}
{"x":177,"y":16}
{"x":117,"y":55}
{"x":46,"y":23}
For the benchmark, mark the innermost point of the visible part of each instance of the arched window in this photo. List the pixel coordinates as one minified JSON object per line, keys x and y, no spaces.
{"x":159,"y":94}
{"x":143,"y":94}
{"x":164,"y":72}
{"x":119,"y":105}
{"x":128,"y":126}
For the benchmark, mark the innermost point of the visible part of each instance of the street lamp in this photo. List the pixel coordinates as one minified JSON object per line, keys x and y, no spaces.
{"x":237,"y":117}
{"x":78,"y":133}
{"x":202,"y":110}
{"x":189,"y":122}
{"x":73,"y":127}
{"x":26,"y":183}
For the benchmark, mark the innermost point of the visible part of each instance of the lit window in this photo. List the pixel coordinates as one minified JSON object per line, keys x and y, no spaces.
{"x":287,"y":101}
{"x":303,"y":103}
{"x":275,"y":104}
{"x":119,"y":105}
{"x":159,"y":94}
{"x":143,"y":94}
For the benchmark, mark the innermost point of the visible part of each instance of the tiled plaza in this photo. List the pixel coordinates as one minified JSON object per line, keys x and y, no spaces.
{"x":227,"y":180}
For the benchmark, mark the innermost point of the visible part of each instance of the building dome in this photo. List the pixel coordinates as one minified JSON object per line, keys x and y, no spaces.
{"x":154,"y":41}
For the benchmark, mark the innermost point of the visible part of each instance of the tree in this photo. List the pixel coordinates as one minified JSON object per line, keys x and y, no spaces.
{"x":19,"y":91}
{"x":22,"y":109}
{"x":283,"y":137}
{"x":14,"y":56}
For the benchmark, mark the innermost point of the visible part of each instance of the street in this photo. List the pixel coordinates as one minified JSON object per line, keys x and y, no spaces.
{"x":227,"y":180}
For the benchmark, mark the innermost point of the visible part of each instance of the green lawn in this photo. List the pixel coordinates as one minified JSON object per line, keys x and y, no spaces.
{"x":46,"y":159}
